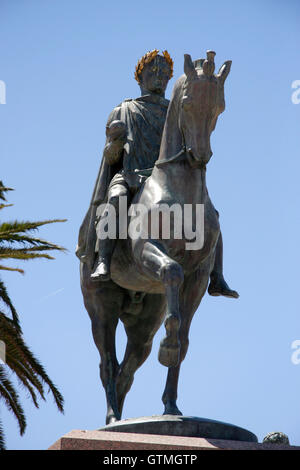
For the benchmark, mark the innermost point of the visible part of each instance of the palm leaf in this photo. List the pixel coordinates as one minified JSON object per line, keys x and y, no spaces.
{"x":25,"y":378}
{"x":2,"y":439}
{"x":6,"y":300}
{"x":7,"y":228}
{"x":7,"y":268}
{"x":17,"y":350}
{"x":16,"y":357}
{"x":2,"y":206}
{"x":24,"y":255}
{"x":3,"y":190}
{"x":32,"y":241}
{"x":11,"y":399}
{"x":17,"y":243}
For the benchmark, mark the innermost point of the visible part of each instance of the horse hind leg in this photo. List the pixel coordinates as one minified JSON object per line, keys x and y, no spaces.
{"x":160,"y":266}
{"x":104,"y":338}
{"x":136,"y":353}
{"x":103,"y":304}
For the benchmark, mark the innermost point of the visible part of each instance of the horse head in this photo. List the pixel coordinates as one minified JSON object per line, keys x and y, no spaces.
{"x":202,"y":100}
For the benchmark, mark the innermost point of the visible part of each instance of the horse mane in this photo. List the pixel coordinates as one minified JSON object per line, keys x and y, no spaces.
{"x":171,"y":141}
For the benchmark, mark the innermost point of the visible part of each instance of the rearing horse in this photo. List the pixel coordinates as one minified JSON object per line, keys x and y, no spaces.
{"x":156,"y":280}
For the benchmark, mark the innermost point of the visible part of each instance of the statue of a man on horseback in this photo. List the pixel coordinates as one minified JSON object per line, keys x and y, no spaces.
{"x":156,"y":154}
{"x":133,"y":137}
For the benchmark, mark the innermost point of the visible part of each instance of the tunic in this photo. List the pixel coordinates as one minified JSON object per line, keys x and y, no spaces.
{"x":144,"y":118}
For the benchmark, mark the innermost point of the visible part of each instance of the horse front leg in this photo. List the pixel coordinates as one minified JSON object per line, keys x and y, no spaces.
{"x":169,"y":397}
{"x":160,"y":266}
{"x":190,"y":297}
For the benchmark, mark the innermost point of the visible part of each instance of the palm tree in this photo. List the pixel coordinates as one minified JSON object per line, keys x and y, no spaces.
{"x":16,"y":242}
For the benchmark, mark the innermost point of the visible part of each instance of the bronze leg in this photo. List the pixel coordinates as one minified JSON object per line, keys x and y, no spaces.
{"x":106,"y":246}
{"x":218,"y":285}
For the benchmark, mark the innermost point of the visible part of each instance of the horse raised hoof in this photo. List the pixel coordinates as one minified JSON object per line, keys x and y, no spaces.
{"x":169,"y":352}
{"x":169,"y":349}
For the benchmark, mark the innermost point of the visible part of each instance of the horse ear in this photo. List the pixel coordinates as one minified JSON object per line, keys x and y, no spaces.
{"x":189,"y":68}
{"x":224,"y":71}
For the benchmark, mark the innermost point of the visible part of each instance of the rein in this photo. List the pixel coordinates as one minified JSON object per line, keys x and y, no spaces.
{"x":182,"y":155}
{"x":177,"y":157}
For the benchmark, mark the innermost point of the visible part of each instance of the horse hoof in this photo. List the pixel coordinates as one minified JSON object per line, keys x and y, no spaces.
{"x":110,"y":419}
{"x":112,"y":415}
{"x":169,"y":354}
{"x":172,"y":410}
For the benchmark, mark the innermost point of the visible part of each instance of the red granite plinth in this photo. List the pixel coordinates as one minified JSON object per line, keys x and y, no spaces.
{"x":104,"y":440}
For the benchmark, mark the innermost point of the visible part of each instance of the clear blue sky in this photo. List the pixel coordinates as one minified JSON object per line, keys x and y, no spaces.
{"x":66,"y":64}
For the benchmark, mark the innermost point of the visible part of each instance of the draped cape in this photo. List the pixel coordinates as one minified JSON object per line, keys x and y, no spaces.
{"x":144,"y":118}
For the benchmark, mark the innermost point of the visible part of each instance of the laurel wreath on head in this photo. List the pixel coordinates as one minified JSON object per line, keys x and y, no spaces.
{"x":147,"y":58}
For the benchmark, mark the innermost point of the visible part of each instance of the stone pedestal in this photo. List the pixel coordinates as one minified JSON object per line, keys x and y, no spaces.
{"x":164,"y":432}
{"x":117,"y":441}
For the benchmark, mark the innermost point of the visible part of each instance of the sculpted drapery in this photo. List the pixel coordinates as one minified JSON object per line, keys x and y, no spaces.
{"x":144,"y":118}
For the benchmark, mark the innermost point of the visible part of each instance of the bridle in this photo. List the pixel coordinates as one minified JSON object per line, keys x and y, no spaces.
{"x":185,"y":154}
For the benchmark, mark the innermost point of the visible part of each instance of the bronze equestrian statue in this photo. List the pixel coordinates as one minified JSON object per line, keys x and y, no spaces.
{"x":155,"y":155}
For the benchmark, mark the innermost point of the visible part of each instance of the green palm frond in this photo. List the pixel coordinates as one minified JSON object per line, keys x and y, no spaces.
{"x":17,"y":357}
{"x":20,"y":359}
{"x":25,"y":240}
{"x":11,"y":399}
{"x":7,"y":268}
{"x":17,"y":243}
{"x":2,"y":438}
{"x":2,"y":206}
{"x":6,"y":300}
{"x":3,"y":190}
{"x":25,"y":379}
{"x":23,"y":254}
{"x":7,"y":228}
